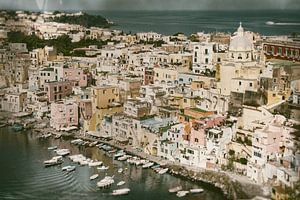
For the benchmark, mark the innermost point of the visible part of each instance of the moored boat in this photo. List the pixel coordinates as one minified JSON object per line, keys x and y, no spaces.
{"x":56,"y":160}
{"x":121,"y":183}
{"x":103,"y":168}
{"x":17,"y":127}
{"x":93,"y":177}
{"x":106,"y":182}
{"x":175,"y":189}
{"x":163,"y":170}
{"x":62,"y":152}
{"x":121,"y":191}
{"x":52,"y":148}
{"x":197,"y":190}
{"x":147,"y":165}
{"x":182,"y":193}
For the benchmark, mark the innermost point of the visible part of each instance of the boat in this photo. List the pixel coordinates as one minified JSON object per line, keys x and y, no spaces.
{"x":121,"y":183}
{"x":62,"y":152}
{"x":65,"y":167}
{"x":93,"y":177}
{"x":106,"y":182}
{"x":95,"y":164}
{"x":120,"y":170}
{"x":175,"y":189}
{"x":17,"y":127}
{"x":197,"y":190}
{"x":52,"y":148}
{"x":93,"y":144}
{"x":71,"y":168}
{"x":56,"y":160}
{"x":119,"y":154}
{"x":57,"y":136}
{"x":77,"y":141}
{"x":147,"y":165}
{"x":123,"y":158}
{"x":47,"y":135}
{"x":163,"y":170}
{"x":120,"y":191}
{"x":103,"y":168}
{"x":270,"y":23}
{"x":182,"y":193}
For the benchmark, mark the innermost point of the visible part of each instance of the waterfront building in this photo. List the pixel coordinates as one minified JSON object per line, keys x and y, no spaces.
{"x":64,"y":115}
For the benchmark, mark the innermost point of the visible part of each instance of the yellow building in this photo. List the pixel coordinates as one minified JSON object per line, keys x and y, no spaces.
{"x":105,"y":101}
{"x":165,"y":75}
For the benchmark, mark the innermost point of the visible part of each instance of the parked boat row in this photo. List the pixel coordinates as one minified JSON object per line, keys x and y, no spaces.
{"x":106,"y":182}
{"x":181,"y":193}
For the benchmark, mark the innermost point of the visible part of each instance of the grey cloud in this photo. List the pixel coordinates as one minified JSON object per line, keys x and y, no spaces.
{"x":149,"y":4}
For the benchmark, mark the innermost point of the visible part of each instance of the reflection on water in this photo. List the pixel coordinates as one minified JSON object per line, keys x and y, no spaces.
{"x":23,"y":175}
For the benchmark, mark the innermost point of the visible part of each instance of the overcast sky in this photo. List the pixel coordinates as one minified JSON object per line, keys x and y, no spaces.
{"x":148,"y":4}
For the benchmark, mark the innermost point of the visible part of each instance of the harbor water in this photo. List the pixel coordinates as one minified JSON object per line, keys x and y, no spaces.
{"x":23,"y":175}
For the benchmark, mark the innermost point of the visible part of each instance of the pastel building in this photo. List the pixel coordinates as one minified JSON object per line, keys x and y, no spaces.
{"x":64,"y":115}
{"x":77,"y":75}
{"x":58,"y":90}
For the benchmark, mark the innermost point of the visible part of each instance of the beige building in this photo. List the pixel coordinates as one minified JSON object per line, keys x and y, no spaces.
{"x":105,"y":101}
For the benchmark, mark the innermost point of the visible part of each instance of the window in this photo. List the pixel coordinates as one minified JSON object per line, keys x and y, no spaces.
{"x":250,"y":84}
{"x":280,"y":51}
{"x":184,"y":100}
{"x":206,"y":60}
{"x":196,"y":140}
{"x":240,"y":83}
{"x":206,"y":51}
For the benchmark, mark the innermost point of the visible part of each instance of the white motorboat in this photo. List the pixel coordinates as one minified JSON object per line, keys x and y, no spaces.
{"x":65,"y":167}
{"x":163,"y":170}
{"x":120,"y":170}
{"x":95,"y":164}
{"x":56,"y":160}
{"x":123,"y":158}
{"x":197,"y":190}
{"x":120,"y":191}
{"x":119,"y":154}
{"x":103,"y":167}
{"x":147,"y":165}
{"x":77,"y":141}
{"x":62,"y":152}
{"x":121,"y":183}
{"x":68,"y":168}
{"x":52,"y":148}
{"x":182,"y":193}
{"x":71,"y":168}
{"x":175,"y":189}
{"x":106,"y":182}
{"x":93,"y":177}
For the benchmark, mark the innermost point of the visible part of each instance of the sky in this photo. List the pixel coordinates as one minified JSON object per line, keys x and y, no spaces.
{"x":148,"y":4}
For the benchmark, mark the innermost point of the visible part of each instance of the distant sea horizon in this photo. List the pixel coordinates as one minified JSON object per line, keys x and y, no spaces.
{"x":265,"y":22}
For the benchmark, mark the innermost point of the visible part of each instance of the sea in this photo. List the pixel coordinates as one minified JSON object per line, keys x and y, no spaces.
{"x":266,"y":22}
{"x":23,"y":175}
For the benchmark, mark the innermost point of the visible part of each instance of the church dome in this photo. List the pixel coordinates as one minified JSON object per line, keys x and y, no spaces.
{"x":240,"y":42}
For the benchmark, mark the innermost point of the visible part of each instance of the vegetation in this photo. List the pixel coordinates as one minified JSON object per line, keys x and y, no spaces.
{"x":63,"y":44}
{"x":157,"y":43}
{"x":85,"y":20}
{"x":193,"y":38}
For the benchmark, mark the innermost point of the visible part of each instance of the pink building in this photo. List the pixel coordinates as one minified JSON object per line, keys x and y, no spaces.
{"x":76,"y":75}
{"x":58,"y":90}
{"x":85,"y":109}
{"x":198,"y":135}
{"x":64,"y":115}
